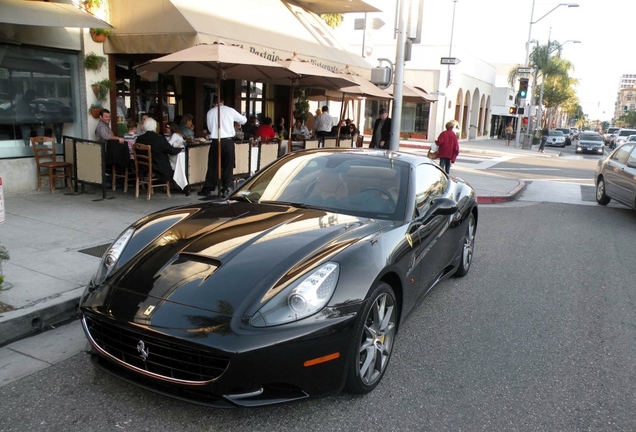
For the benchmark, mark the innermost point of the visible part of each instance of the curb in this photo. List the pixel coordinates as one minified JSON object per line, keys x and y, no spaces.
{"x":26,"y":322}
{"x":495,"y":199}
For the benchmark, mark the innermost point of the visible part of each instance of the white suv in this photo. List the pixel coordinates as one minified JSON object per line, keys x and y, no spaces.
{"x":621,"y":136}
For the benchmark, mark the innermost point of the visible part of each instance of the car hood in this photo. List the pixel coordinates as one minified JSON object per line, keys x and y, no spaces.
{"x":226,"y":257}
{"x":590,"y":142}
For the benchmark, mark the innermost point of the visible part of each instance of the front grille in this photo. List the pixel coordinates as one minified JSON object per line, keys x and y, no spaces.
{"x":166,"y":360}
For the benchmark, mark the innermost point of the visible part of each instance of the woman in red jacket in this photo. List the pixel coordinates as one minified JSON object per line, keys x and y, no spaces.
{"x":448,"y":147}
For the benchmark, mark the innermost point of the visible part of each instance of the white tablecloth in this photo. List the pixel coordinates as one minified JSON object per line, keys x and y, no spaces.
{"x":178,"y":164}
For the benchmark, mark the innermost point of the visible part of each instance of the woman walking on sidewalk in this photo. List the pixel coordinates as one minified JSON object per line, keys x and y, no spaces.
{"x":448,"y":147}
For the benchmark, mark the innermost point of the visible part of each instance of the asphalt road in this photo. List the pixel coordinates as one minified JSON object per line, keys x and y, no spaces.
{"x":539,"y":336}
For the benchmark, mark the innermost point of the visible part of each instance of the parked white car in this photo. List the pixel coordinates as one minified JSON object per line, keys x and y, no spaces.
{"x":556,"y":139}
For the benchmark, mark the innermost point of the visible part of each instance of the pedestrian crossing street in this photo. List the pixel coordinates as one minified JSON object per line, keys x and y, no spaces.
{"x":479,"y":161}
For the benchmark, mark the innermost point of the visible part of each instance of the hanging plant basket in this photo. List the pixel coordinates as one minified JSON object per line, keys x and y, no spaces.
{"x":95,"y":88}
{"x":94,"y":111}
{"x":99,"y":35}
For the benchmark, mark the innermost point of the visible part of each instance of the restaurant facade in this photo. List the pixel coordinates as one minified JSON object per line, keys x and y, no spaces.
{"x":51,"y":62}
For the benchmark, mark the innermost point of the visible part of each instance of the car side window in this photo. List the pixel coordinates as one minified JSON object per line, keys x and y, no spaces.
{"x":430,"y":183}
{"x":622,"y":153}
{"x":632,"y":156}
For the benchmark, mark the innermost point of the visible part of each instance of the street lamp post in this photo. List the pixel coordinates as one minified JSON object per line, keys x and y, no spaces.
{"x":532,"y":22}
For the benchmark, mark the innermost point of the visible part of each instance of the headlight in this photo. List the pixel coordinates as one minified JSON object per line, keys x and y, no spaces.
{"x":301,"y":299}
{"x":112,"y":255}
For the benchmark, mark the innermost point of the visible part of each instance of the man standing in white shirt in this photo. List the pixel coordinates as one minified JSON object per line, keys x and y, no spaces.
{"x":324,"y":123}
{"x":228,"y":117}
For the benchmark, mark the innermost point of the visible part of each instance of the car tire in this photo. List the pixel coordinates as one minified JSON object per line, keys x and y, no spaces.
{"x":373,"y":342}
{"x":468,"y":248}
{"x":601,"y":198}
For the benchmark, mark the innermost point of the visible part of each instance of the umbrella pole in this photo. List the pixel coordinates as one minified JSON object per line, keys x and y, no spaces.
{"x":219,"y":183}
{"x":339,"y":118}
{"x":291,"y":120}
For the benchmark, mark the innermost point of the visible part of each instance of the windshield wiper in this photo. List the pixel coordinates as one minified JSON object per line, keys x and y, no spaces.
{"x":242,"y":198}
{"x":292,"y":204}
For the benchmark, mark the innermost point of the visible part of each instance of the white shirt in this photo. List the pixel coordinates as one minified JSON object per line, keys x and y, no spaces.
{"x":324,"y":122}
{"x":228,"y":117}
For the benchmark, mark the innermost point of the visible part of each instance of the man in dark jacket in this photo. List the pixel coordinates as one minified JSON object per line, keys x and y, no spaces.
{"x":160,"y":150}
{"x":381,"y":131}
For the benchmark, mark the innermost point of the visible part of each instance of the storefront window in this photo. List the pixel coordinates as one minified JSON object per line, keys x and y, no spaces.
{"x":38,"y":96}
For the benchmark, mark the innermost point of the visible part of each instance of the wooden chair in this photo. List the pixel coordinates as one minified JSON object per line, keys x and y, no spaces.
{"x":267,"y":154}
{"x":118,"y":155}
{"x":311,"y":144}
{"x":329,"y":142}
{"x":242,"y":161}
{"x":47,"y":164}
{"x":143,"y":170}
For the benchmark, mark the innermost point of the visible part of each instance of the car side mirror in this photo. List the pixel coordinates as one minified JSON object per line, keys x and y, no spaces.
{"x":631,"y":164}
{"x":443,"y":206}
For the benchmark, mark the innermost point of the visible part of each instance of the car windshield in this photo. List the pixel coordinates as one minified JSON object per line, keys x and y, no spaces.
{"x":626,"y":132}
{"x":631,"y":138}
{"x":358,"y":184}
{"x":591,"y":137}
{"x":556,"y":133}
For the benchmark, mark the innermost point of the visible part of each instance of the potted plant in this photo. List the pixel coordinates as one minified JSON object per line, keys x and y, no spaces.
{"x":91,"y":5}
{"x":102,"y":88}
{"x":94,"y":62}
{"x":99,"y":34}
{"x":95,"y":109}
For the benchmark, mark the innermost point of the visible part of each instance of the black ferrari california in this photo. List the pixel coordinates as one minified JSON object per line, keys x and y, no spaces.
{"x":295,"y":285}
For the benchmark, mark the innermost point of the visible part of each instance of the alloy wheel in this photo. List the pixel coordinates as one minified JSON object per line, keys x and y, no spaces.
{"x":377,"y":339}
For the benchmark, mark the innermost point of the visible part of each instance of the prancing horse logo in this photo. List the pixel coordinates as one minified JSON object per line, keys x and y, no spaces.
{"x":144,"y":352}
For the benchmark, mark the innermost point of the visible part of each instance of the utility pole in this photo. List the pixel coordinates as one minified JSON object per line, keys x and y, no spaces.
{"x":398,"y":85}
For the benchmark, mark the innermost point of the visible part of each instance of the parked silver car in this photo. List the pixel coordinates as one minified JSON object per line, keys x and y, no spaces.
{"x":590,"y":142}
{"x":615,"y":177}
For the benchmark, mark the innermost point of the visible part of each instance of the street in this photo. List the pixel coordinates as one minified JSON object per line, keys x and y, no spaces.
{"x":537,"y":337}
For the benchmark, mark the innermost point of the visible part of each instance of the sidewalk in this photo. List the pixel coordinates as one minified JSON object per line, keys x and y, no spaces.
{"x":56,"y":241}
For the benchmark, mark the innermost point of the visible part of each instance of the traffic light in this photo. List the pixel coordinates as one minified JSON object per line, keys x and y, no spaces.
{"x":513,"y":110}
{"x":625,"y":109}
{"x":523,"y":88}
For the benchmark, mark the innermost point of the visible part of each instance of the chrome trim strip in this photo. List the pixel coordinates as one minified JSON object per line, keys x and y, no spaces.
{"x":135,"y":368}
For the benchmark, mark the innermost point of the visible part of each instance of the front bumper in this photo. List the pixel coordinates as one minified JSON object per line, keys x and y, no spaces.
{"x":240,"y":367}
{"x":590,"y":149}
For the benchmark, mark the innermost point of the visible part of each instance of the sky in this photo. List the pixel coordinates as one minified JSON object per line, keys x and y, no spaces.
{"x":497,"y":31}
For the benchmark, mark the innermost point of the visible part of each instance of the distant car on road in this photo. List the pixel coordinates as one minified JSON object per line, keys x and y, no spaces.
{"x":620,"y":137}
{"x":556,"y":139}
{"x":608,"y":134}
{"x":590,"y":142}
{"x":616,"y":176}
{"x":567,"y":134}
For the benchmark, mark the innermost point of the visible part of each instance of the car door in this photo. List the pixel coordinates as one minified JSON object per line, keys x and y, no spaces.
{"x":614,"y":167}
{"x":435,"y":252}
{"x":626,"y":180}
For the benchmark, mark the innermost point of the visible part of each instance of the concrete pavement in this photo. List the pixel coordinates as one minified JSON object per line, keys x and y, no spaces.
{"x":56,"y":241}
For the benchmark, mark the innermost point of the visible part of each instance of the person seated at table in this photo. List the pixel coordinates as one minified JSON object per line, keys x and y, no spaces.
{"x":160,"y":149}
{"x":140,"y":126}
{"x":239,"y":134}
{"x":131,"y":136}
{"x":187,"y":127}
{"x":300,"y":131}
{"x":339,"y":129}
{"x":265,"y":131}
{"x":281,"y":132}
{"x":249,"y":128}
{"x":176,"y":140}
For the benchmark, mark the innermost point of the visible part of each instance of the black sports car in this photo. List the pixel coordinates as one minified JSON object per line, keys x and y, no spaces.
{"x":293,"y":286}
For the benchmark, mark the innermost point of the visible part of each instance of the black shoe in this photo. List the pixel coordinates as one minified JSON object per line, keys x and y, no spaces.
{"x":203,"y":192}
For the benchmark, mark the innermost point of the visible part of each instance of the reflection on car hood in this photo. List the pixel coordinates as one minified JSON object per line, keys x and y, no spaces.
{"x":223,"y":257}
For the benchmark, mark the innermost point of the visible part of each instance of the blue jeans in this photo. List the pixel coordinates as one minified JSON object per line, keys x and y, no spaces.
{"x":445,"y":164}
{"x":544,"y":139}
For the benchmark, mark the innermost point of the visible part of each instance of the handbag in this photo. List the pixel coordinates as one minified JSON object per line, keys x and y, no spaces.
{"x":432,"y":154}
